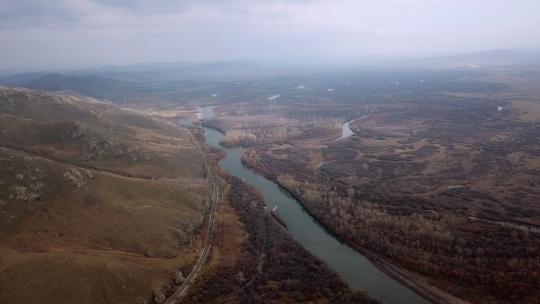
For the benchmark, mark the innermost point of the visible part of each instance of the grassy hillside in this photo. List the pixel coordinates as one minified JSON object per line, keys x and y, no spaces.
{"x":97,"y":205}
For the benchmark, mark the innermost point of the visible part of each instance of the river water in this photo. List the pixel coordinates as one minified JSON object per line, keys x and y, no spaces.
{"x":355,"y":269}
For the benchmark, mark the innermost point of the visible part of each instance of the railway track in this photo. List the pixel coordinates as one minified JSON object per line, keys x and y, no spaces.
{"x":180,"y":291}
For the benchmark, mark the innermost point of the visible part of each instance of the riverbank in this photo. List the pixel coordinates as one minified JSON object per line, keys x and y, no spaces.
{"x":355,"y":269}
{"x":419,"y":284}
{"x":255,"y":260}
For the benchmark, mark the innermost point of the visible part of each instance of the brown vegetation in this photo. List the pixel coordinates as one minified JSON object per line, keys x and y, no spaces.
{"x":247,"y":131}
{"x":443,"y":183}
{"x":269,"y":266}
{"x":97,"y":205}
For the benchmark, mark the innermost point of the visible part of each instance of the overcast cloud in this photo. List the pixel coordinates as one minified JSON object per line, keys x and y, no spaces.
{"x":37,"y":34}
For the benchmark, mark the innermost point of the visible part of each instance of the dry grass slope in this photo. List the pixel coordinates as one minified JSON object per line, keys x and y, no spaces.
{"x":97,"y":205}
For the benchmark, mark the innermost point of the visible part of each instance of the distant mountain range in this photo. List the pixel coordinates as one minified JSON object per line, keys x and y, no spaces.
{"x":160,"y":81}
{"x":499,"y":58}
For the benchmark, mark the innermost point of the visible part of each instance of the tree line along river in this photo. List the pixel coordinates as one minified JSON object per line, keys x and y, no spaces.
{"x":355,"y":269}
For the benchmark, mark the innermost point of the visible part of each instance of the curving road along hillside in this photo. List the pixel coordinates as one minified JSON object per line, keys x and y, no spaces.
{"x":207,"y":245}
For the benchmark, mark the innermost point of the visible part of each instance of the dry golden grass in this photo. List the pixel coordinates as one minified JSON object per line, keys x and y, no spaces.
{"x":88,"y":242}
{"x":84,"y":276}
{"x":106,"y":230}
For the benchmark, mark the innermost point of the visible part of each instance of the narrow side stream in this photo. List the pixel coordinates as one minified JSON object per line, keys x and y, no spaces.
{"x":356,"y":270}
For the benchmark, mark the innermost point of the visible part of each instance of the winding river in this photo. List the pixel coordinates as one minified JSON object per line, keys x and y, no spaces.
{"x":355,"y":269}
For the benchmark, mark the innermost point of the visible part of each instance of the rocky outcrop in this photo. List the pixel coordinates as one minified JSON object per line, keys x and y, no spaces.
{"x":78,"y":177}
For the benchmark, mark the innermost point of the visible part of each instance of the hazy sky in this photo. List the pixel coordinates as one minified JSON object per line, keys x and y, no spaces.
{"x":40,"y":34}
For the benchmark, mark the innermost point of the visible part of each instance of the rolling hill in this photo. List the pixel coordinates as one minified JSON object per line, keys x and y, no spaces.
{"x":97,"y":204}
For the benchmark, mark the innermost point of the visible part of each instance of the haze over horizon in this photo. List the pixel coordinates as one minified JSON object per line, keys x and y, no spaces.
{"x":70,"y":34}
{"x":269,"y":151}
